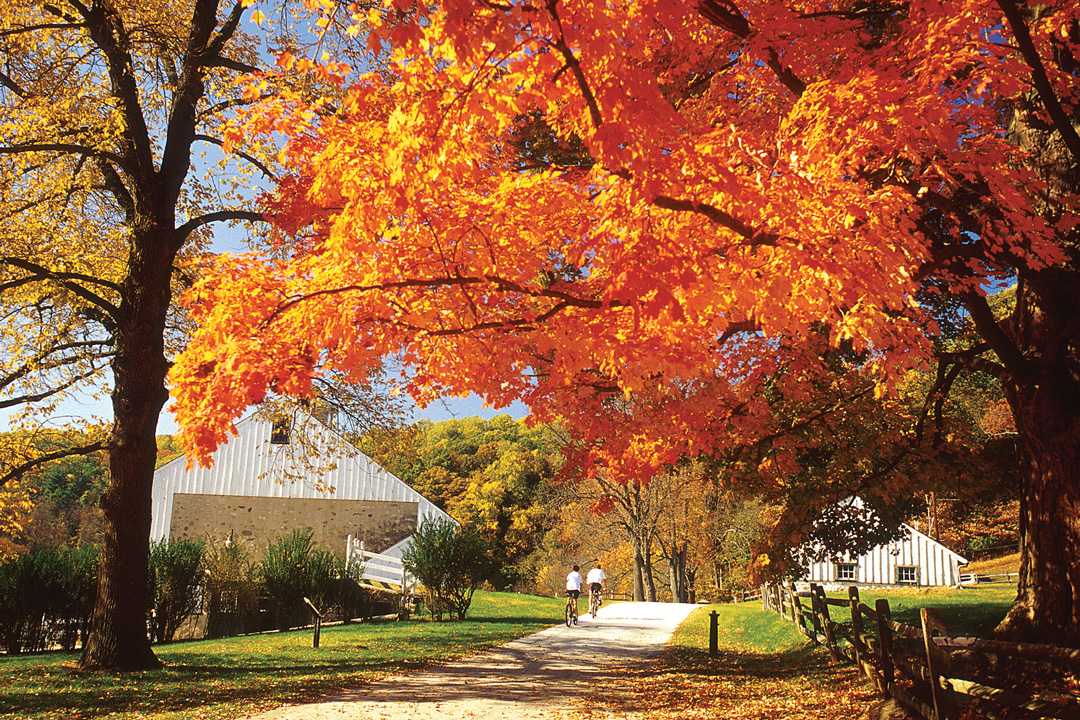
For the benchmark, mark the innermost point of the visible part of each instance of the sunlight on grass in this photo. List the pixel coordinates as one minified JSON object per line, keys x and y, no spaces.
{"x":222,"y":679}
{"x":742,"y":626}
{"x":972,"y":611}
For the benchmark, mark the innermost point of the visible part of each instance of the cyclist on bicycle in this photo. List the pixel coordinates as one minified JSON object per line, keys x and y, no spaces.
{"x":573,"y":588}
{"x":597,"y":581}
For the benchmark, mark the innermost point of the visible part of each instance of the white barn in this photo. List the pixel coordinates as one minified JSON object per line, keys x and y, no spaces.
{"x":914,"y":560}
{"x":274,"y":477}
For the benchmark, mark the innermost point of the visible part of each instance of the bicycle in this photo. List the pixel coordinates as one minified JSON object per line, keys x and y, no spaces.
{"x":571,"y":611}
{"x":595,"y":602}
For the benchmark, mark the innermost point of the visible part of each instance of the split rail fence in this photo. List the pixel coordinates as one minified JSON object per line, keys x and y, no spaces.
{"x":914,"y":664}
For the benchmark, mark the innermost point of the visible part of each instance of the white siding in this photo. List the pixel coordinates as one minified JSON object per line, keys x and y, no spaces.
{"x":250,"y":465}
{"x":935,"y":563}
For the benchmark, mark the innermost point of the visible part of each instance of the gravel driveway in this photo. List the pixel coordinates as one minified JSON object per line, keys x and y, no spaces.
{"x":537,"y":677}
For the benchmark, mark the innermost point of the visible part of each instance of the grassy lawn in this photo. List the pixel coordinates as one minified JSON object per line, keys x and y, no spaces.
{"x":223,"y":679}
{"x":766,"y":669}
{"x":972,"y":611}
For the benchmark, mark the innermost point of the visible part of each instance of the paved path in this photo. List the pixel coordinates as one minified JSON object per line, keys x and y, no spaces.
{"x":538,"y":677}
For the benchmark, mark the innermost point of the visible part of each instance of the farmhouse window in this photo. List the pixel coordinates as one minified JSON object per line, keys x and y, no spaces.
{"x":907,"y":574}
{"x":279,"y":433}
{"x":846,"y":571}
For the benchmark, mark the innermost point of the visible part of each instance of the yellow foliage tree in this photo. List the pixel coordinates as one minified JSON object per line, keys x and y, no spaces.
{"x":110,"y":111}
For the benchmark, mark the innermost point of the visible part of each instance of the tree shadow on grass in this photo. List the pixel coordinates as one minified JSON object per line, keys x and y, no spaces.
{"x":64,"y":691}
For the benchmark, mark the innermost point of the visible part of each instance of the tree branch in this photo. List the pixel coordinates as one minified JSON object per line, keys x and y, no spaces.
{"x":228,"y":28}
{"x":1018,"y":366}
{"x":230,"y":64}
{"x":725,"y":14}
{"x":45,"y":394}
{"x":66,"y":148}
{"x":70,"y":280}
{"x":1039,"y":78}
{"x":18,"y":471}
{"x":756,"y":236}
{"x":106,"y":30}
{"x":250,"y":158}
{"x":575,"y":67}
{"x":181,"y":233}
{"x":11,"y":85}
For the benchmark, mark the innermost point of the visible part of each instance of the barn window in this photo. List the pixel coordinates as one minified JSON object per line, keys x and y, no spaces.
{"x":907,"y":574}
{"x":279,"y":433}
{"x":846,"y":571}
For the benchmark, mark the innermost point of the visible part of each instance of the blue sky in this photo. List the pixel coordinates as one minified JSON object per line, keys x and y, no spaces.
{"x":74,"y":410}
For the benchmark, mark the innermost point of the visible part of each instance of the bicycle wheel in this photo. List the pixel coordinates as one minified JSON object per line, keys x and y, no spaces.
{"x":569,"y":615}
{"x":594,"y":605}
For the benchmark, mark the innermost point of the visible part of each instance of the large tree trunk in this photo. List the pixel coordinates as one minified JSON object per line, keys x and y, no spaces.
{"x":1046,"y":409}
{"x":118,"y":638}
{"x":1047,"y":607}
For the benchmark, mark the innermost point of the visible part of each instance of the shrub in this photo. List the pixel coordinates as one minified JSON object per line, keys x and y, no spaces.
{"x":231,"y":594}
{"x":292,"y":569}
{"x":353,"y":600}
{"x":175,"y":576}
{"x":47,"y":597}
{"x":450,"y":563}
{"x":75,"y":606}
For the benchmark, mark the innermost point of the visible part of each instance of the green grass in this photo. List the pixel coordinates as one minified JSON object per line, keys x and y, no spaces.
{"x":972,"y":611}
{"x":221,"y":679}
{"x":740,"y":627}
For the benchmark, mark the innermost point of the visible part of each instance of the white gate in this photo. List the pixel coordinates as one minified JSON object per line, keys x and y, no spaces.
{"x":380,"y":570}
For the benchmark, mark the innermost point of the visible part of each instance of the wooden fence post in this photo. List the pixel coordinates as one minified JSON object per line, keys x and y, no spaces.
{"x":817,"y":631}
{"x":884,"y":615}
{"x":317,"y":621}
{"x":826,"y":624}
{"x":937,"y":661}
{"x":857,"y":648}
{"x":796,"y":609}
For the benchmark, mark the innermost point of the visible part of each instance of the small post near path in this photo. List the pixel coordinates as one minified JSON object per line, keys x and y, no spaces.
{"x":714,"y":640}
{"x":318,"y":622}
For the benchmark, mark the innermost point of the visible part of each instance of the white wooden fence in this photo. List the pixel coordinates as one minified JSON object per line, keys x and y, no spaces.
{"x":384,"y":570}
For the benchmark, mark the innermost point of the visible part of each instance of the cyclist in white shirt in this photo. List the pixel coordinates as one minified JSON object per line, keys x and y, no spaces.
{"x":573,"y":587}
{"x":597,"y":581}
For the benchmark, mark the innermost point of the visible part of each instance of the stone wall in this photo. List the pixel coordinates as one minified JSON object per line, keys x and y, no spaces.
{"x":256,"y":521}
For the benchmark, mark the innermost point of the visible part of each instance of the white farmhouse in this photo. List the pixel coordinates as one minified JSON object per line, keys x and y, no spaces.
{"x":913,"y":560}
{"x":274,"y":477}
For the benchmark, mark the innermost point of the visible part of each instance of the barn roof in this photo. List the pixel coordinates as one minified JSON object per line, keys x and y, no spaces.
{"x":316,"y":462}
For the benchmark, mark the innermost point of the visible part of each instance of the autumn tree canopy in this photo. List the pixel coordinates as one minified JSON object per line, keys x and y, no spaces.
{"x":565,"y":203}
{"x":111,"y":117}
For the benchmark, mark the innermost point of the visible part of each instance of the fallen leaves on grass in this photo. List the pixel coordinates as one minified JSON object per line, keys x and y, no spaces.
{"x":799,"y":685}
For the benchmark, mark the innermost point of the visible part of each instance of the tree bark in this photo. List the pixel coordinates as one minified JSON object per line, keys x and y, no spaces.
{"x":118,"y":638}
{"x":647,"y":573}
{"x":639,"y":570}
{"x":1046,"y":410}
{"x":677,"y":572}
